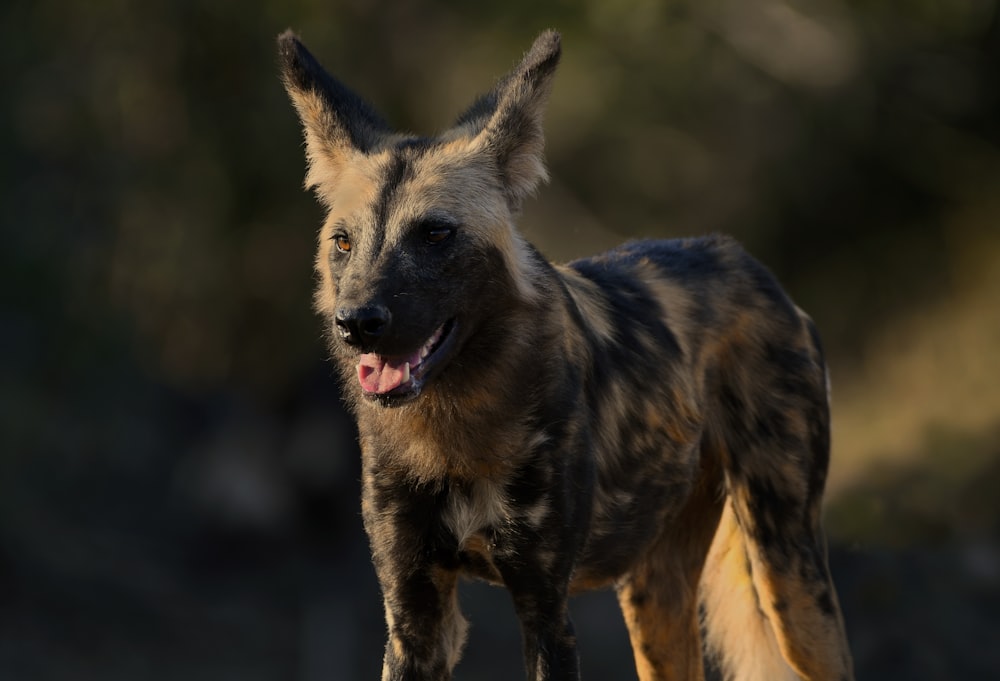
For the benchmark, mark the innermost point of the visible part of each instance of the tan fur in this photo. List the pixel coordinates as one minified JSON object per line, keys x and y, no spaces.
{"x":457,"y":181}
{"x":801,"y":634}
{"x":663,"y":621}
{"x":346,"y":199}
{"x":736,"y":633}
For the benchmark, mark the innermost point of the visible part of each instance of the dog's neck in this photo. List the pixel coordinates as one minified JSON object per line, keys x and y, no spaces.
{"x":431,"y":440}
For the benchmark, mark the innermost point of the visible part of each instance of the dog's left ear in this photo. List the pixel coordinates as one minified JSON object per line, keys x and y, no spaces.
{"x":507,"y":121}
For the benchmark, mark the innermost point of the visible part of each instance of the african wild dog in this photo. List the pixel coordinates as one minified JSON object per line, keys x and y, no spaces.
{"x":654,"y":418}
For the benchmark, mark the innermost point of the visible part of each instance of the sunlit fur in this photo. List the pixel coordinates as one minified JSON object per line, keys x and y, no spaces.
{"x":652,"y":419}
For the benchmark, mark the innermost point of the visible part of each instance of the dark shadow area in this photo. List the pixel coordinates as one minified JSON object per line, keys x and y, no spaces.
{"x":920,"y":578}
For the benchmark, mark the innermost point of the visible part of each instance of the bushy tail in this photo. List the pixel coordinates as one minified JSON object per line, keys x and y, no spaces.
{"x":770,"y":607}
{"x":739,"y":639}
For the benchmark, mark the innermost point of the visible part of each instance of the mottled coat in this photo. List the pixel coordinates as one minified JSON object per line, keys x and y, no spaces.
{"x":652,"y":419}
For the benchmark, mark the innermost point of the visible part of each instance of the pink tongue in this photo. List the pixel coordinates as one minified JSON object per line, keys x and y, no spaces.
{"x":379,"y":374}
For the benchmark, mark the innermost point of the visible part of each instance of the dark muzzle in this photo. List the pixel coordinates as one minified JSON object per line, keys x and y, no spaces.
{"x":363,"y":326}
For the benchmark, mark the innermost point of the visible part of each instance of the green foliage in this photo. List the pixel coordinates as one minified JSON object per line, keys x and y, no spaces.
{"x":941,"y":496}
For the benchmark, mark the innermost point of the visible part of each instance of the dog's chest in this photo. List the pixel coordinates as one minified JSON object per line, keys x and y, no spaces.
{"x":478,"y":508}
{"x":487,"y":525}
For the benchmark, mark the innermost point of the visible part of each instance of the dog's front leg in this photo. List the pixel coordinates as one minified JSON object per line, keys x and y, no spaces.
{"x":426,"y":631}
{"x":536,"y":572}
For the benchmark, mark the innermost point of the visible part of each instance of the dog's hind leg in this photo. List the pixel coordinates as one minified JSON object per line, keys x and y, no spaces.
{"x":659,"y":596}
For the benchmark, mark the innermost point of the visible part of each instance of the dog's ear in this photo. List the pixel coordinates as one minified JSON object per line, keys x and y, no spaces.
{"x":507,"y":121}
{"x":337,"y":122}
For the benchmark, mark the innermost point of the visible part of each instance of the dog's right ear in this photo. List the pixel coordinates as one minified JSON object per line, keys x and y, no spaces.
{"x":337,"y":122}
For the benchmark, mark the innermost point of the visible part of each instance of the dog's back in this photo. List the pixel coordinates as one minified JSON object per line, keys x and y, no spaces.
{"x":696,"y":348}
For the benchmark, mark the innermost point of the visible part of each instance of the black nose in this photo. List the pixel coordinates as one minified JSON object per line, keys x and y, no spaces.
{"x":362,"y":325}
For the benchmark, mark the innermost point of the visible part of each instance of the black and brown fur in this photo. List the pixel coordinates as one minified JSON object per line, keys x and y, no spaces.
{"x":653,"y":418}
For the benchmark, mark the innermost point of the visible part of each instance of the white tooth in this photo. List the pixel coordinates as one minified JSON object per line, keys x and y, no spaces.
{"x":406,"y":372}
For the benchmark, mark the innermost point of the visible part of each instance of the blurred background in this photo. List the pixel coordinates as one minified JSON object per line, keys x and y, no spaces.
{"x":178,"y":481}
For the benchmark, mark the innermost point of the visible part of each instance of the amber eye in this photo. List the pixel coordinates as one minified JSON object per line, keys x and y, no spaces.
{"x":343,"y":243}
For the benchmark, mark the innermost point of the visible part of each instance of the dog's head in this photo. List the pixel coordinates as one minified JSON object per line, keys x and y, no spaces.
{"x":418,"y":251}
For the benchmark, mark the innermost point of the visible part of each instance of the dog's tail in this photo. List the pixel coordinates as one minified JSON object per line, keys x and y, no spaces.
{"x":769,"y":606}
{"x":739,"y":640}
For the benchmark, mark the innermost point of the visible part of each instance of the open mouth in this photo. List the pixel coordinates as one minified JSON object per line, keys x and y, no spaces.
{"x":389,"y":379}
